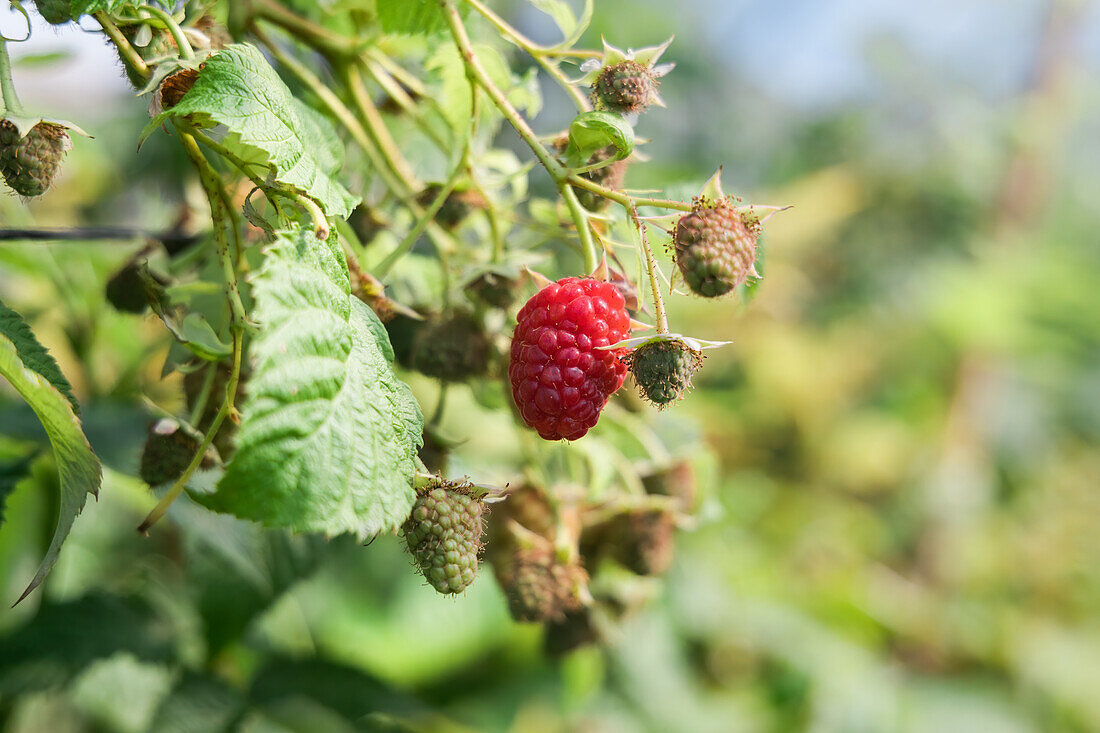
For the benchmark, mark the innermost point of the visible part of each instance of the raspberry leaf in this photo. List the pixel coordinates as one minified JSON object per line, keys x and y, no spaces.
{"x":329,"y":435}
{"x":33,"y":373}
{"x":238,"y":88}
{"x":590,"y":132}
{"x":411,"y":17}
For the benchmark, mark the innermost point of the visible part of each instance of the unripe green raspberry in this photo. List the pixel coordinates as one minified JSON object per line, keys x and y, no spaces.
{"x":452,"y":349}
{"x":493,"y":289}
{"x":539,"y":587}
{"x":443,"y":533}
{"x":625,"y":87}
{"x":29,"y":163}
{"x":715,"y":248}
{"x":663,"y":369}
{"x":54,"y":12}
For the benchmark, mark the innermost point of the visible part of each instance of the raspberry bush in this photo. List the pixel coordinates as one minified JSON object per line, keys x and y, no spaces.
{"x":346,"y":287}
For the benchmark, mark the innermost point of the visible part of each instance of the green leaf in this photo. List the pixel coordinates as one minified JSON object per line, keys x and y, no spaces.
{"x":411,"y":17}
{"x":87,"y":7}
{"x":593,"y":131}
{"x":35,"y":376}
{"x":239,"y":89}
{"x":329,"y":436}
{"x":33,"y":354}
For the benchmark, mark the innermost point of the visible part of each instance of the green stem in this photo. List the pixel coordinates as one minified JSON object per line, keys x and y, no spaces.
{"x":227,"y":408}
{"x":304,"y":30}
{"x":540,"y":54}
{"x":182,"y":44}
{"x":623,"y":199}
{"x":465,"y":48}
{"x":209,"y":178}
{"x":584,"y":231}
{"x":204,"y":394}
{"x":651,"y":270}
{"x":125,"y":49}
{"x":7,"y":86}
{"x":376,"y":128}
{"x":395,"y":91}
{"x":422,"y":223}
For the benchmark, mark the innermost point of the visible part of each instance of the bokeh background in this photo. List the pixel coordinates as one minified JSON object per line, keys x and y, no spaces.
{"x":903,"y":530}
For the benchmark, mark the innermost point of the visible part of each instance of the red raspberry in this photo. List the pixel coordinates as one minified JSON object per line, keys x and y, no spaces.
{"x":560,"y":380}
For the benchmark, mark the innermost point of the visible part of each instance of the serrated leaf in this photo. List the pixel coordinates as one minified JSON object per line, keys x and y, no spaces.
{"x":238,"y":88}
{"x":329,"y":435}
{"x":593,"y":131}
{"x":33,"y":354}
{"x":22,"y":362}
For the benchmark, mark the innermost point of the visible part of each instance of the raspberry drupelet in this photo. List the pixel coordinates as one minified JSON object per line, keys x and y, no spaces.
{"x":560,"y":379}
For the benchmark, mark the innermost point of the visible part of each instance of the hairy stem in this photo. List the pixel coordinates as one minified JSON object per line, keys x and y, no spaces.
{"x":125,"y":49}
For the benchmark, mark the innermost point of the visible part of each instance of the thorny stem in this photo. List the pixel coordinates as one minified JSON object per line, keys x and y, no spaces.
{"x":651,"y":270}
{"x":540,"y":54}
{"x":182,"y":44}
{"x":7,"y":86}
{"x":180,"y":483}
{"x":125,"y":48}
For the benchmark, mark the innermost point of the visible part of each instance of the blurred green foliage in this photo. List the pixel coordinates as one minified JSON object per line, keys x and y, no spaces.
{"x":905,"y":533}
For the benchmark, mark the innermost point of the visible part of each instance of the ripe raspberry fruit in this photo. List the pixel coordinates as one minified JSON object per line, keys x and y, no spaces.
{"x":715,"y":248}
{"x":452,"y":348}
{"x":560,"y":378}
{"x":663,"y":369}
{"x":29,"y":163}
{"x":443,"y":533}
{"x":54,"y":12}
{"x":626,"y":87}
{"x":539,"y":587}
